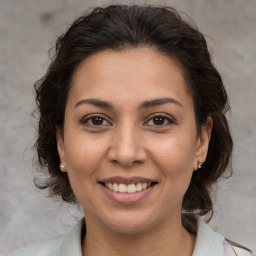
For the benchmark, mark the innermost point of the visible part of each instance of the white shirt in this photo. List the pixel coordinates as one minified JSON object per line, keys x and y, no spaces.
{"x":208,"y":243}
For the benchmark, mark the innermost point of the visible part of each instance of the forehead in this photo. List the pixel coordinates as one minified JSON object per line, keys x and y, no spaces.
{"x":130,"y":74}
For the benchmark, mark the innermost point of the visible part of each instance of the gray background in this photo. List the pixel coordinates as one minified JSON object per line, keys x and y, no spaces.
{"x":28,"y":28}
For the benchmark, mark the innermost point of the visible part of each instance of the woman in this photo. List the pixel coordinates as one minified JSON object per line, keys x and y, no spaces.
{"x":132,"y":126}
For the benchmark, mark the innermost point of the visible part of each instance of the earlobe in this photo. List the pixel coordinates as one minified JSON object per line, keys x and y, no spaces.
{"x":60,"y":148}
{"x":203,"y":143}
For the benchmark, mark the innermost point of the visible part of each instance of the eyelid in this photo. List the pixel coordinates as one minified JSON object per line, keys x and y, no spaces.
{"x":167,"y":117}
{"x":85,"y":119}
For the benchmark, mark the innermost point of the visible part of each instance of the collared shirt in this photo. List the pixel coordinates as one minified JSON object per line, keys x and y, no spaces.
{"x":208,"y":243}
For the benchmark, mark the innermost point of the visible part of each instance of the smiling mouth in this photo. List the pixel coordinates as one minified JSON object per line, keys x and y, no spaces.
{"x":128,"y":188}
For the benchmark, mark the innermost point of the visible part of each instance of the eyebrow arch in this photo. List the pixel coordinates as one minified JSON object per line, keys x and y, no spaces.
{"x":158,"y":102}
{"x":96,"y":103}
{"x":145,"y":104}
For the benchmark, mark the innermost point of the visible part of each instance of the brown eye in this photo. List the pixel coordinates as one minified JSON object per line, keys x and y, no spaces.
{"x":95,"y":121}
{"x":159,"y":120}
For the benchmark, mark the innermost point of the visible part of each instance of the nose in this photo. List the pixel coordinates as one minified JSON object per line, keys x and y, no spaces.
{"x":127,"y":147}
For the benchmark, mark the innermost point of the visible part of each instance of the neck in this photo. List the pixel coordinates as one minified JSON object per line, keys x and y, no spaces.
{"x":172,"y":239}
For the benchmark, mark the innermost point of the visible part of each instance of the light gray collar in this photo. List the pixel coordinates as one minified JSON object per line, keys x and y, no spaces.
{"x":71,"y":245}
{"x":208,"y":242}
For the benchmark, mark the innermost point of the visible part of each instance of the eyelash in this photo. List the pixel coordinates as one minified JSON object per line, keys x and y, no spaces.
{"x":90,"y":118}
{"x":165,"y":117}
{"x":85,"y":121}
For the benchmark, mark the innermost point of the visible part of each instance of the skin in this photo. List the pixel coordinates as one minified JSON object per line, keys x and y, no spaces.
{"x":129,"y":142}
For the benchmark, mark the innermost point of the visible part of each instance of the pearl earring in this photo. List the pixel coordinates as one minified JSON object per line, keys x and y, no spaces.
{"x":61,"y":166}
{"x":199,"y":164}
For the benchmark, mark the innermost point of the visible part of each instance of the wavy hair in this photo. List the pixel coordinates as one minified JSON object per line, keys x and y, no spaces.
{"x":119,"y":27}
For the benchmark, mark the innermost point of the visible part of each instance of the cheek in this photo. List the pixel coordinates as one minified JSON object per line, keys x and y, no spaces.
{"x":174,"y":157}
{"x":83,"y":155}
{"x":83,"y":158}
{"x":174,"y":150}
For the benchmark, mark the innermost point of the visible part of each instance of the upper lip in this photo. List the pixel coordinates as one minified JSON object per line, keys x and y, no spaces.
{"x":130,"y":180}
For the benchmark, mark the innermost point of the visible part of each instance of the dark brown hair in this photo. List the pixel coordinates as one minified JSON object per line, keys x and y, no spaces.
{"x":119,"y":27}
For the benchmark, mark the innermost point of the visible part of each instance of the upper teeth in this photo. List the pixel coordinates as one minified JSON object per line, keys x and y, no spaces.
{"x":130,"y":188}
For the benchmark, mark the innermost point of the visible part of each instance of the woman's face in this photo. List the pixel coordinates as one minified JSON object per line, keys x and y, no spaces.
{"x":130,"y":143}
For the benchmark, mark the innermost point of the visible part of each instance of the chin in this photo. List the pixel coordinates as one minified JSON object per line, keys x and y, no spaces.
{"x":130,"y":224}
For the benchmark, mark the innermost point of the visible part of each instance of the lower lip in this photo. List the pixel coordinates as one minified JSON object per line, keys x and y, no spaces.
{"x":126,"y":198}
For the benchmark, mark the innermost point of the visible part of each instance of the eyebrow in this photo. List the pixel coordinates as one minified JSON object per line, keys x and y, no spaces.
{"x":96,"y":103}
{"x":143,"y":105}
{"x":158,"y":102}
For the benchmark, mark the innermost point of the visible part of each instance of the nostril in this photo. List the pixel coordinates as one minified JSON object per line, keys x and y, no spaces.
{"x":126,"y":153}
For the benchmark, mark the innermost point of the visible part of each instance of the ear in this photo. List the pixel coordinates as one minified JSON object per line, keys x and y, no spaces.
{"x":203,"y":142}
{"x":60,"y":147}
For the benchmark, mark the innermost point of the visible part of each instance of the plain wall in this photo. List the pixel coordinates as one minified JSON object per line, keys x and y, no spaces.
{"x":28,"y":28}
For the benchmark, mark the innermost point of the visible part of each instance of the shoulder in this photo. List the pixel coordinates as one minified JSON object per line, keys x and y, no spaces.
{"x":64,"y":245}
{"x":211,"y":243}
{"x":233,"y":249}
{"x":50,"y":247}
